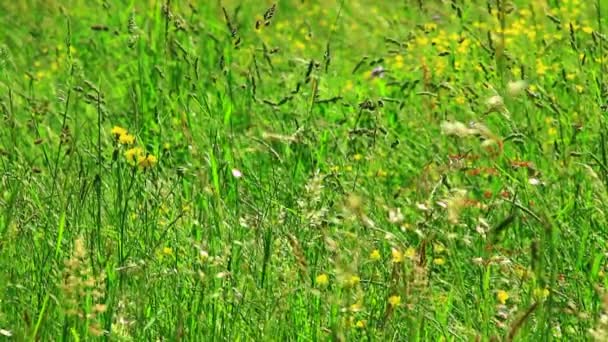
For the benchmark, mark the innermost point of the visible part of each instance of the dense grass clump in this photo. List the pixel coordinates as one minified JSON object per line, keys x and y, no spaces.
{"x":303,"y":170}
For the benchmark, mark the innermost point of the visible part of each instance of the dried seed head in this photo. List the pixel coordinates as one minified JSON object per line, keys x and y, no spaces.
{"x":456,"y":128}
{"x":516,"y":88}
{"x":495,"y":102}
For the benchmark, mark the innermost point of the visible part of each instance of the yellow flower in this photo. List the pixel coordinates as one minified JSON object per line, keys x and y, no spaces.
{"x":394,"y":300}
{"x":167,"y":251}
{"x":438,"y":248}
{"x":357,"y":157}
{"x":126,"y":139}
{"x":541,"y":68}
{"x":410,"y":252}
{"x":588,"y":30}
{"x":322,"y":280}
{"x":381,"y":173}
{"x":361,"y":324}
{"x":348,"y":86}
{"x":375,"y":255}
{"x":439,"y":261}
{"x":398,"y":62}
{"x":397,"y":256}
{"x":133,"y":154}
{"x":430,"y":26}
{"x":118,"y":131}
{"x":502,"y":296}
{"x":353,"y":281}
{"x":355,"y":307}
{"x":540,"y":293}
{"x":147,"y":161}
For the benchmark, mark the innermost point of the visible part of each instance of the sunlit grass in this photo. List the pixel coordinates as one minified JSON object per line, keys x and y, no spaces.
{"x":304,"y":170}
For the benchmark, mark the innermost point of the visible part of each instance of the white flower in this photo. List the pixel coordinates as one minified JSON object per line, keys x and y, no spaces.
{"x":395,"y":216}
{"x":236,"y":173}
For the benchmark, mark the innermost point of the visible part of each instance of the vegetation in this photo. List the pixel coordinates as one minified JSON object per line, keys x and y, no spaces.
{"x":303,"y":170}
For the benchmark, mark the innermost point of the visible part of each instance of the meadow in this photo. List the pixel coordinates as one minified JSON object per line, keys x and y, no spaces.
{"x":303,"y":170}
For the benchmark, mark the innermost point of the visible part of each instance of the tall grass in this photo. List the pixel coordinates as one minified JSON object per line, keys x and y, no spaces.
{"x":303,"y":170}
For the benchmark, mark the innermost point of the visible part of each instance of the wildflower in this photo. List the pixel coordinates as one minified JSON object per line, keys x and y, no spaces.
{"x":133,"y":154}
{"x":377,"y":72}
{"x":375,"y":255}
{"x":357,"y":157}
{"x":204,"y":255}
{"x":515,"y":88}
{"x":552,"y":131}
{"x":299,"y":45}
{"x":356,"y":307}
{"x":353,"y":281}
{"x":126,"y":139}
{"x":118,"y":131}
{"x":348,"y":86}
{"x":394,"y":300}
{"x":322,"y":280}
{"x":541,"y":68}
{"x":167,"y":251}
{"x":398,"y":62}
{"x":147,"y":161}
{"x":541,"y":293}
{"x":410,"y":252}
{"x":502,"y":296}
{"x":361,"y":324}
{"x":395,"y":216}
{"x":438,"y":248}
{"x":397,"y":256}
{"x":430,"y":26}
{"x":222,"y":275}
{"x":439,"y":261}
{"x":381,"y":173}
{"x":236,"y":173}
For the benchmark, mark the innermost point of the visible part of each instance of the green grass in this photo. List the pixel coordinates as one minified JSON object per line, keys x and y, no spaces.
{"x":283,"y":192}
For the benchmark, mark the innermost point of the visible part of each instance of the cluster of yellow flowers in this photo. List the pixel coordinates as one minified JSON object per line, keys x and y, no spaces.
{"x":135,"y":155}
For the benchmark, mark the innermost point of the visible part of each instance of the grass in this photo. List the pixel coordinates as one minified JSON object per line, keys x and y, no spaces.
{"x":339,"y":170}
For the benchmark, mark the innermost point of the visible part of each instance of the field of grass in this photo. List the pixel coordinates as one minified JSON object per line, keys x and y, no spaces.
{"x":304,"y":170}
